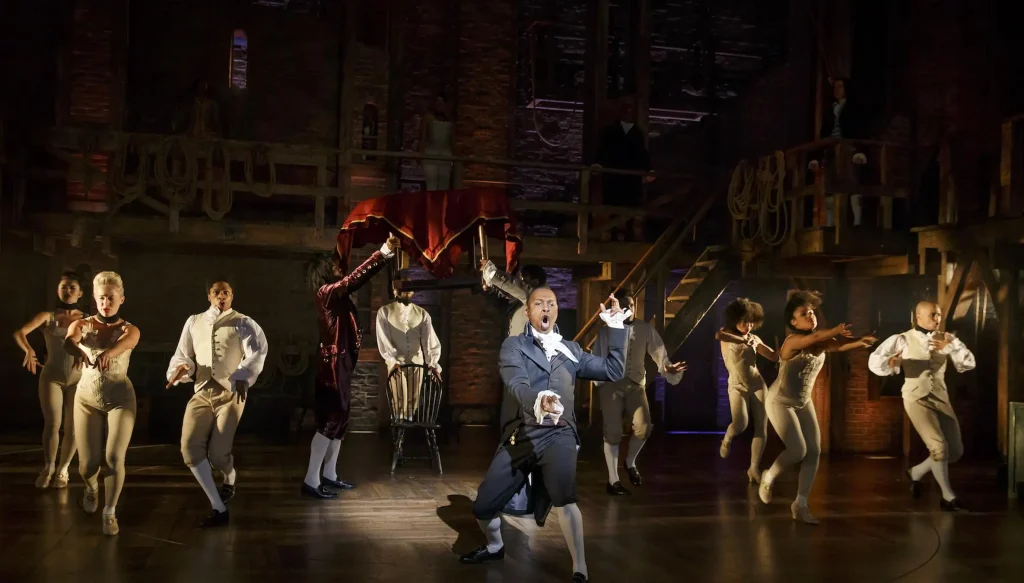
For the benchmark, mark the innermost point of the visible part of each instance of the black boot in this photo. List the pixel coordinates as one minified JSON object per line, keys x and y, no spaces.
{"x":337,"y":484}
{"x":915,"y":486}
{"x":579,"y":578}
{"x":951,"y":505}
{"x":634,"y":476}
{"x":227,"y":492}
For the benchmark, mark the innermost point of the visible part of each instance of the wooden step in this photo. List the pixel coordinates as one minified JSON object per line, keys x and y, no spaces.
{"x":678,"y":297}
{"x":710,"y":263}
{"x":691,"y":280}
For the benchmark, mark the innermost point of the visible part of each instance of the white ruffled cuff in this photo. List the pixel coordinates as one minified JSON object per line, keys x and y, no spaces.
{"x":386,"y":251}
{"x":616,"y":320}
{"x":487,"y":273}
{"x":539,"y":414}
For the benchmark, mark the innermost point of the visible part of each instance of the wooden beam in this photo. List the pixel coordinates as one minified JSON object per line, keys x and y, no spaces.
{"x":1007,"y":385}
{"x":879,"y":267}
{"x":951,"y":296}
{"x":396,"y":89}
{"x":595,"y":74}
{"x":552,"y":251}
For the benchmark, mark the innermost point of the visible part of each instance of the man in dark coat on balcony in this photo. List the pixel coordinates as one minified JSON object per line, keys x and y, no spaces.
{"x":623,"y":146}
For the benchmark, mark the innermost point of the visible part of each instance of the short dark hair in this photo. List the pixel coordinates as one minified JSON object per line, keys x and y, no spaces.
{"x":72,"y":275}
{"x":215,"y":280}
{"x":622,"y":294}
{"x":743,"y":310}
{"x":320,"y":269}
{"x":801,"y":298}
{"x":533,"y":275}
{"x":538,"y":288}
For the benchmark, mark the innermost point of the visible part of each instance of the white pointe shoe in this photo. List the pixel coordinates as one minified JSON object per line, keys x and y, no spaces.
{"x":91,"y":501}
{"x":110,"y":527}
{"x":765,"y":491}
{"x":803,"y":514}
{"x":43,"y":481}
{"x":61,"y":480}
{"x":724,"y":449}
{"x":754,"y":476}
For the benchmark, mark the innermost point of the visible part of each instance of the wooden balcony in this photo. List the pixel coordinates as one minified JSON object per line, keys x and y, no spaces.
{"x":177,"y":190}
{"x":813,"y":217}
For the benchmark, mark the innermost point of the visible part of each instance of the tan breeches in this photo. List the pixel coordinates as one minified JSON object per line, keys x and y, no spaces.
{"x":92,"y":455}
{"x":938,"y":427}
{"x":208,"y":428}
{"x":624,"y":399}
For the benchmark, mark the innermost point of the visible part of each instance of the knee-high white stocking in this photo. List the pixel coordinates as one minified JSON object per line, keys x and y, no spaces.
{"x":492,"y":531}
{"x":635,"y":445}
{"x":331,"y":463}
{"x":571,"y":521}
{"x":317,"y":451}
{"x":611,"y":459}
{"x":204,"y":475}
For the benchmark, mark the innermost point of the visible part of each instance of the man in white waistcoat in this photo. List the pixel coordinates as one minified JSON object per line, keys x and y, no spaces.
{"x":922,"y":353}
{"x":627,"y":397}
{"x":405,"y":335}
{"x":225,"y":351}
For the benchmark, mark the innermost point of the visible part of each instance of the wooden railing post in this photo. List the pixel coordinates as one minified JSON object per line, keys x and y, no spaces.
{"x":583,"y":217}
{"x":458,"y":168}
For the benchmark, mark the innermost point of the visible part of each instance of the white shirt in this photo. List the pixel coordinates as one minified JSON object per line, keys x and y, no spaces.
{"x":641,"y":340}
{"x":226,"y":346}
{"x":405,"y":335}
{"x":924,"y":369}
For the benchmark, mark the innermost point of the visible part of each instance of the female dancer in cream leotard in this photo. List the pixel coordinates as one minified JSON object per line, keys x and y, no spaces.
{"x":104,"y":395}
{"x":740,"y":347}
{"x":788,"y":402}
{"x":57,"y":379}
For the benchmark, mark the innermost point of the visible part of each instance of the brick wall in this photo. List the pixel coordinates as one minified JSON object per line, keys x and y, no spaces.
{"x":478,"y":330}
{"x":871,"y":425}
{"x":91,"y":63}
{"x":486,"y":61}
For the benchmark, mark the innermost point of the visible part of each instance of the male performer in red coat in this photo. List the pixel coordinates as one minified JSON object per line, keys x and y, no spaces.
{"x":339,"y":352}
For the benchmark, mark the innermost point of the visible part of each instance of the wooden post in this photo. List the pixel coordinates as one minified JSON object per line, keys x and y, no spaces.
{"x":661,"y":292}
{"x":350,"y":21}
{"x":458,"y":171}
{"x":641,"y":49}
{"x":947,"y":184}
{"x":1007,"y":385}
{"x":321,"y":202}
{"x":1005,"y":171}
{"x":396,"y":91}
{"x":583,"y":217}
{"x":595,"y":75}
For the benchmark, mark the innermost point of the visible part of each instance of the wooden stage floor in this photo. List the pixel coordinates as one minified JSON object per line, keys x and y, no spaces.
{"x":695,"y":520}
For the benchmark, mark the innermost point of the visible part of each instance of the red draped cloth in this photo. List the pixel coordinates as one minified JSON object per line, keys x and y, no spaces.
{"x":434,"y":226}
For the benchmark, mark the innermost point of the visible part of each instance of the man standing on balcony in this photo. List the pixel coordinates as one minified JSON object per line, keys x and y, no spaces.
{"x":405,"y":335}
{"x":922,"y":353}
{"x":225,"y":350}
{"x":340,"y":341}
{"x":623,"y":146}
{"x":845,"y":121}
{"x":539,"y":371}
{"x":628,"y":397}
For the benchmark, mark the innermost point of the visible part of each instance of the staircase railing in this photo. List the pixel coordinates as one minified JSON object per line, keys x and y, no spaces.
{"x":651,"y":262}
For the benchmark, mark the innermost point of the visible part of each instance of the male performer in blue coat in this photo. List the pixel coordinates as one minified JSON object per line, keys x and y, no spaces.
{"x":539,"y":371}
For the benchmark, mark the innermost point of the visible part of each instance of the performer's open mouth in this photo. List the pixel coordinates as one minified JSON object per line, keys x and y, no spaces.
{"x":545,"y":320}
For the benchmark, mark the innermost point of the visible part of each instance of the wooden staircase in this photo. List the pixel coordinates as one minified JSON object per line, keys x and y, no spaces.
{"x":696,"y":292}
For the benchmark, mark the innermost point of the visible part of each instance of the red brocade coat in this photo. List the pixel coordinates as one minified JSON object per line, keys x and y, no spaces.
{"x":339,"y":346}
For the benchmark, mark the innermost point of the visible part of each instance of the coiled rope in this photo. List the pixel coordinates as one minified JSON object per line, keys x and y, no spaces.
{"x":757,"y":199}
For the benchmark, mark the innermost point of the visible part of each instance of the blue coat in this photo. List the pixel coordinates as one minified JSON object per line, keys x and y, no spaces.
{"x":525,"y":372}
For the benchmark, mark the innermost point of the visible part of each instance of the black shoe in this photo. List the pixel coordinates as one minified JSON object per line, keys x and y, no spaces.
{"x":215,"y":519}
{"x":337,"y":484}
{"x":480,"y":555}
{"x":915,"y":486}
{"x":227,"y":492}
{"x":319,"y":492}
{"x":579,"y":578}
{"x":951,"y":505}
{"x":616,"y":489}
{"x":634,"y":476}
